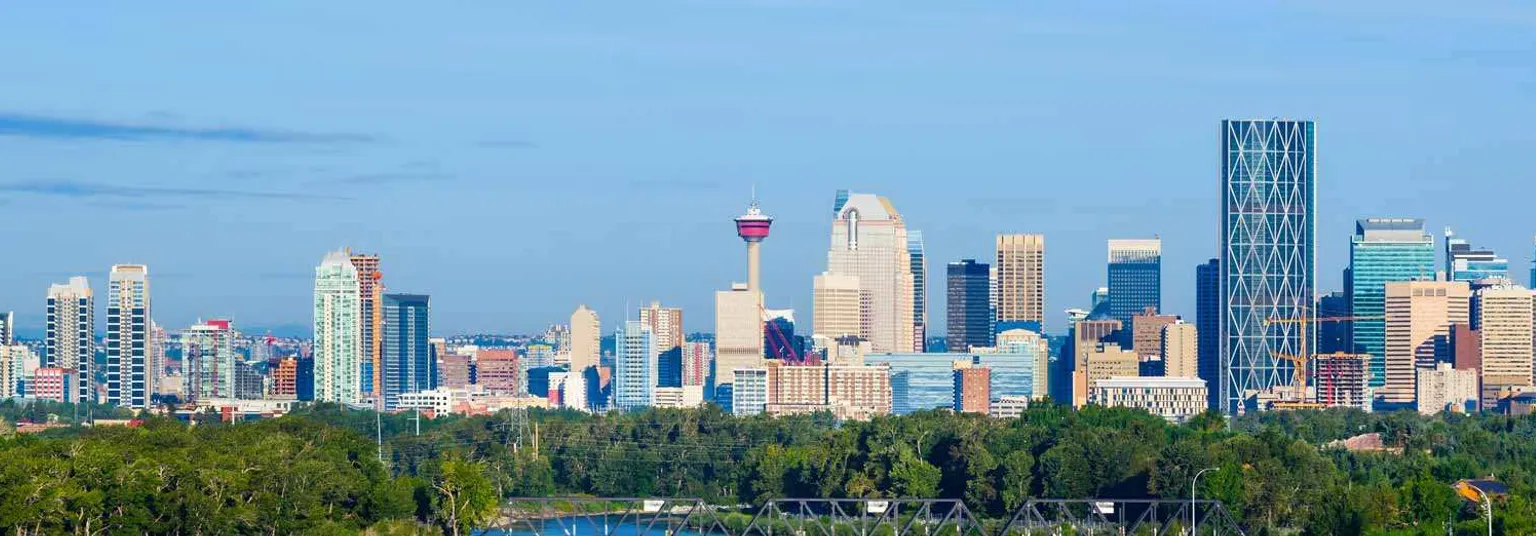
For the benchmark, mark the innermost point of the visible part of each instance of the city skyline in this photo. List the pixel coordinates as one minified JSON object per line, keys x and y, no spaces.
{"x":989,"y":144}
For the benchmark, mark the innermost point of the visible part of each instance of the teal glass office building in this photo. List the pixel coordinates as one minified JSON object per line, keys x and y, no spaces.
{"x":1383,"y":250}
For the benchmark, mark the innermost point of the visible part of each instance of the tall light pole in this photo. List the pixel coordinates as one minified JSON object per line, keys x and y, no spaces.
{"x":1486,"y":504}
{"x":1192,"y":520}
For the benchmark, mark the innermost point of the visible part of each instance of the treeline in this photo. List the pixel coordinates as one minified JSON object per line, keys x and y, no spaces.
{"x":319,"y":470}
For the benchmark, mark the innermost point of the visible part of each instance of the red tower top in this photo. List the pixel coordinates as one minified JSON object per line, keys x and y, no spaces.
{"x":753,"y":226}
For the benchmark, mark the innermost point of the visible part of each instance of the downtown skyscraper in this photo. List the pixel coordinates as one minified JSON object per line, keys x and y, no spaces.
{"x":1020,"y":283}
{"x":130,"y":383}
{"x":1466,"y":263}
{"x":1383,"y":250}
{"x":1208,"y":315}
{"x":919,"y":290}
{"x":409,"y":365}
{"x":370,"y":289}
{"x":70,"y":342}
{"x":635,"y":370}
{"x":337,"y":330}
{"x":968,"y":305}
{"x":1135,"y":274}
{"x":1268,"y":251}
{"x":870,"y":242}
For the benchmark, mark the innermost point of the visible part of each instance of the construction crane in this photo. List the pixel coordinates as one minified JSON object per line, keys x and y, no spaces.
{"x":777,"y":336}
{"x":1300,"y":360}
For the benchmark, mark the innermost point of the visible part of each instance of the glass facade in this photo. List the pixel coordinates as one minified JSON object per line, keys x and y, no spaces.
{"x":635,"y":368}
{"x":920,"y":381}
{"x":919,"y":290}
{"x":1383,"y":250}
{"x":1466,"y":263}
{"x":407,"y":350}
{"x":1268,"y":250}
{"x":1135,"y":278}
{"x":969,"y":311}
{"x":1208,"y":325}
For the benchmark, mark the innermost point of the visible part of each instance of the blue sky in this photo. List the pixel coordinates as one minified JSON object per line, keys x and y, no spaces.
{"x":514,"y":159}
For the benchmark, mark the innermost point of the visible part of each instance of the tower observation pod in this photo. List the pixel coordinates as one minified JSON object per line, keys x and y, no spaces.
{"x":752,"y":227}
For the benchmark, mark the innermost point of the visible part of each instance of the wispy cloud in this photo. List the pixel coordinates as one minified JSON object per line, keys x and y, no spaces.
{"x":87,"y":190}
{"x":390,"y":178}
{"x":506,"y":144}
{"x":672,"y":185}
{"x":135,"y":206}
{"x":57,"y":127}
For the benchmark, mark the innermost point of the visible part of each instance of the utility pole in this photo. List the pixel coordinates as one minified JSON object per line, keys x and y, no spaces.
{"x":378,"y":430}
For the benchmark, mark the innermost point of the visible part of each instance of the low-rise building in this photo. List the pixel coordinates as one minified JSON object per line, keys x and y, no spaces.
{"x":688,"y":396}
{"x":1175,"y":399}
{"x":1009,"y":407}
{"x":1446,"y":388}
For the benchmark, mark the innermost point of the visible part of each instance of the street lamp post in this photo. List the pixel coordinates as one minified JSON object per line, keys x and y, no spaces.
{"x":1487,"y":504}
{"x":1193,"y":527}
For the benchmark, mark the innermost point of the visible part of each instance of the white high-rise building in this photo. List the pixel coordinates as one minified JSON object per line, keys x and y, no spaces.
{"x":338,"y":330}
{"x":71,"y":343}
{"x":129,"y":383}
{"x":635,"y":366}
{"x":870,"y":242}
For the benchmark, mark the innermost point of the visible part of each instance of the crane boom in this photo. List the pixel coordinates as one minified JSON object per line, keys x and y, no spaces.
{"x":1299,"y":378}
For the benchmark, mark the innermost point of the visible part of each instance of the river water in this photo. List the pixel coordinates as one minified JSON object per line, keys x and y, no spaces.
{"x":587,"y":526}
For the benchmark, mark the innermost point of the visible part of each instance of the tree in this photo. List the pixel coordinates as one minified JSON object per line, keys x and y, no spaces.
{"x":914,"y":477}
{"x":465,"y":497}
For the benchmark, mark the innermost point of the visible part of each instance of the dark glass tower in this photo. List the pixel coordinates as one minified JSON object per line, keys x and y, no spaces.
{"x":407,"y":351}
{"x":968,"y":301}
{"x":1208,"y":326}
{"x":1135,"y":278}
{"x":1268,"y":251}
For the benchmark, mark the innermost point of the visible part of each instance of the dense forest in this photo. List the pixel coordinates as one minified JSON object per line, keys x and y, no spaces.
{"x":319,"y":470}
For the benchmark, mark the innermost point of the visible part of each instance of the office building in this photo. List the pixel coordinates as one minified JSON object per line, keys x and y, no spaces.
{"x":1104,"y":361}
{"x":1135,"y":278}
{"x":1009,"y":407}
{"x":635,"y":370}
{"x":1419,"y":316}
{"x":1340,"y":380}
{"x":839,"y":307}
{"x":499,"y":371}
{"x":370,"y":290}
{"x":70,"y":341}
{"x":1383,"y":250}
{"x":7,"y":328}
{"x":408,"y":362}
{"x":748,"y":392}
{"x":1019,"y":364}
{"x":1445,"y":388}
{"x":968,"y":309}
{"x":208,"y":360}
{"x":848,"y":392}
{"x":667,"y":328}
{"x":285,"y":376}
{"x":1208,"y":311}
{"x":586,"y":338}
{"x":696,"y":362}
{"x":338,"y":343}
{"x":1268,"y":251}
{"x":738,"y":335}
{"x":1020,"y":264}
{"x":1504,"y":320}
{"x":1333,"y":337}
{"x":919,"y":290}
{"x":56,"y":384}
{"x":129,"y":382}
{"x":1146,"y":333}
{"x":973,"y":388}
{"x":691,"y":396}
{"x":453,"y":371}
{"x":1174,"y":399}
{"x":1098,"y":303}
{"x":919,"y":381}
{"x":870,"y":242}
{"x":1180,"y":353}
{"x":1463,"y":262}
{"x":1466,"y":348}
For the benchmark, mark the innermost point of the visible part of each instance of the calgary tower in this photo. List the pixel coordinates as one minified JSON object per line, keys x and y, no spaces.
{"x":753,"y":228}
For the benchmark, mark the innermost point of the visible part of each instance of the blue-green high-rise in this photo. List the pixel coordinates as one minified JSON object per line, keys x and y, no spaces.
{"x":1383,"y":250}
{"x":406,"y":355}
{"x":1268,"y":251}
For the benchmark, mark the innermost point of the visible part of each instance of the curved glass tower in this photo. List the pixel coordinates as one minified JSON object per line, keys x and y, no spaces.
{"x":1268,"y":251}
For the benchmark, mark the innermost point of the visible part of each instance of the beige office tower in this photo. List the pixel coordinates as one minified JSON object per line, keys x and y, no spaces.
{"x":1180,"y":350}
{"x":838,"y":307}
{"x":1020,"y":265}
{"x":1419,"y":316}
{"x":738,"y":332}
{"x":586,"y":339}
{"x":1504,"y":320}
{"x":71,"y":342}
{"x":666,"y":325}
{"x":869,"y":241}
{"x":1105,"y":361}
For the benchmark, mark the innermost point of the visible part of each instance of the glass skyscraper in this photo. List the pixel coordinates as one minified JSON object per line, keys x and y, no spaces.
{"x":406,"y":358}
{"x":1383,"y":250}
{"x":968,"y":294}
{"x":1268,"y":250}
{"x":1208,"y":325}
{"x":1135,"y":278}
{"x":1466,"y":263}
{"x":635,"y":370}
{"x":919,"y":290}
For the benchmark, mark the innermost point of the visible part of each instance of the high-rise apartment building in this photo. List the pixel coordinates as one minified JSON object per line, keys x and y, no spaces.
{"x":667,"y":328}
{"x":1135,"y":277}
{"x":1419,"y":320}
{"x":7,"y":328}
{"x":70,"y":341}
{"x":586,"y":339}
{"x":635,"y":374}
{"x":919,"y":290}
{"x":1463,"y":262}
{"x":338,"y":343}
{"x":1505,"y":327}
{"x":128,"y":379}
{"x":1268,"y":251}
{"x":408,"y":363}
{"x":1208,"y":317}
{"x":1020,"y":264}
{"x":973,"y":388}
{"x":1383,"y":250}
{"x":285,"y":377}
{"x":697,"y":358}
{"x":839,"y":308}
{"x":370,"y":291}
{"x":968,"y":308}
{"x":870,"y":242}
{"x":1181,"y":344}
{"x":1443,"y":387}
{"x":208,"y":360}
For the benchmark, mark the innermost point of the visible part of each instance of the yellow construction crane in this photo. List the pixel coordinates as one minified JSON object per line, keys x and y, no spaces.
{"x":1299,"y":382}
